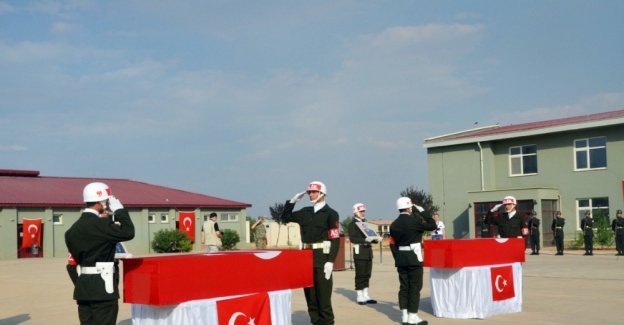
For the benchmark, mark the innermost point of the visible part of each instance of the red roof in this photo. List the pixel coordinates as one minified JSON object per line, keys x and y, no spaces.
{"x":24,"y":188}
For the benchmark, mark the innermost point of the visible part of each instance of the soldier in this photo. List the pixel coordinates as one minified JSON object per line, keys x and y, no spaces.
{"x":362,"y":255}
{"x":260,"y":233}
{"x":587,"y":225}
{"x":534,"y":228}
{"x":618,"y":228}
{"x":485,"y":228}
{"x":407,"y":231}
{"x":509,"y":222}
{"x":319,"y":229}
{"x":91,"y":241}
{"x":557,"y":228}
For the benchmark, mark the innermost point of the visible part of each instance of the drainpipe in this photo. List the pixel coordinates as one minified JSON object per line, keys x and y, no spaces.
{"x":481,"y":164}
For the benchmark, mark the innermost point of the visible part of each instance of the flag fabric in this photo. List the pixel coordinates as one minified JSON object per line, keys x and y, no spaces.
{"x":502,"y":283}
{"x":187,"y":224}
{"x":254,"y":309}
{"x":31,"y":233}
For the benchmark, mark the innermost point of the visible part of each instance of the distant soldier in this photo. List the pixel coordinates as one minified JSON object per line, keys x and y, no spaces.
{"x":587,"y":226}
{"x":557,"y":228}
{"x":618,"y":228}
{"x":362,"y":255}
{"x":534,"y":228}
{"x":260,"y":233}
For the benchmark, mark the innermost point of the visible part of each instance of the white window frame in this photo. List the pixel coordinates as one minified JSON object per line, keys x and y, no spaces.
{"x":165,"y":219}
{"x":520,"y":158}
{"x":580,"y":210}
{"x":587,"y":149}
{"x":151,"y":218}
{"x":60,"y":219}
{"x":228,"y":217}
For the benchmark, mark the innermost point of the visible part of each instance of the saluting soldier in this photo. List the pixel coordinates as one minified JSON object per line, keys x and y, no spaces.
{"x":260,"y":233}
{"x":407,"y":231}
{"x":509,"y":222}
{"x":319,"y":229}
{"x":557,"y":228}
{"x":91,"y":241}
{"x":534,"y":227}
{"x":587,"y":225}
{"x":618,"y":228}
{"x":362,"y":255}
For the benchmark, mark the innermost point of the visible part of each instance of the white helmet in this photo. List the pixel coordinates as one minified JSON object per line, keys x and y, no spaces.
{"x":404,"y":203}
{"x":509,"y":199}
{"x":317,"y":186}
{"x":96,"y":192}
{"x":359,"y":207}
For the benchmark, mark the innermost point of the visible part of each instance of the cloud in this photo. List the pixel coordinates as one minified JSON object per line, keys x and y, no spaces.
{"x":13,"y":148}
{"x":5,"y":8}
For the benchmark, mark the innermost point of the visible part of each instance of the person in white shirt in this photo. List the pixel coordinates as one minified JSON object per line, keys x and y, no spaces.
{"x":439,"y":233}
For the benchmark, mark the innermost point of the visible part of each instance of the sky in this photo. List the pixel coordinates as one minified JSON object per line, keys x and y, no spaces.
{"x":252,"y":100}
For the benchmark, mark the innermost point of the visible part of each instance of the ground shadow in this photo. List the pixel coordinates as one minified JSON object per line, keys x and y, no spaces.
{"x":387,"y":308}
{"x":18,"y":319}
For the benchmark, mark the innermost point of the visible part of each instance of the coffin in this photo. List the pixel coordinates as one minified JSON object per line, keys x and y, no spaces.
{"x":457,"y":253}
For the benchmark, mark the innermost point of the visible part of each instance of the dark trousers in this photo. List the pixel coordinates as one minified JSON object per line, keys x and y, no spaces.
{"x":535,"y":243}
{"x":98,"y":312}
{"x":318,"y":298}
{"x":363,"y":270}
{"x":559,"y":243}
{"x":589,"y":243}
{"x":411,"y":281}
{"x":619,"y":242}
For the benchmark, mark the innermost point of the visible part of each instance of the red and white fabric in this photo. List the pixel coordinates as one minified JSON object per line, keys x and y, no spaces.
{"x":250,"y":309}
{"x":476,"y":292}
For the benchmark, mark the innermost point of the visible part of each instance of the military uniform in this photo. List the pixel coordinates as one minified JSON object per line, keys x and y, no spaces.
{"x":618,"y":228}
{"x":507,"y":227}
{"x":407,"y":231}
{"x":485,"y":228}
{"x":362,"y":256}
{"x":557,"y":228}
{"x":260,"y":232}
{"x":91,"y":240}
{"x":317,"y":227}
{"x":587,"y":225}
{"x":534,"y":227}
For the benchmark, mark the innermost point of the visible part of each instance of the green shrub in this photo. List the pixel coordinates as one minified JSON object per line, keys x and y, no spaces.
{"x":604,"y":234}
{"x":229,"y":239}
{"x":171,"y":241}
{"x":578,"y":241}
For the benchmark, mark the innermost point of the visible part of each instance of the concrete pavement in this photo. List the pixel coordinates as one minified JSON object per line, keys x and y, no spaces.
{"x":569,"y":289}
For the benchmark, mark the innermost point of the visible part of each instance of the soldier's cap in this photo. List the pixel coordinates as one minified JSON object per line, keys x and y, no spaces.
{"x":534,"y":212}
{"x":558,"y":212}
{"x":587,"y":213}
{"x":619,"y":211}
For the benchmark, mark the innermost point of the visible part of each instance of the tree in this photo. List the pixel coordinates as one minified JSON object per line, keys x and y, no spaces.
{"x":229,"y":239}
{"x":171,"y":241}
{"x":276,"y":212}
{"x":420,"y":198}
{"x":604,"y":235}
{"x":344,"y":224}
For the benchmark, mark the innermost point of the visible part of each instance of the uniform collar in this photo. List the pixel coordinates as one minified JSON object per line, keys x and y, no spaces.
{"x":318,"y":206}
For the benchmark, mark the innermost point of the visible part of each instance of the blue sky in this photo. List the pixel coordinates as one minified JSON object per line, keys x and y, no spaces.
{"x":252,"y":100}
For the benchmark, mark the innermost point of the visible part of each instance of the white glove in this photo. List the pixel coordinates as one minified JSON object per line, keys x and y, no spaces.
{"x":114,"y":204}
{"x":370,"y":239}
{"x":419,"y":208}
{"x":496,"y":207}
{"x":297,"y":197}
{"x":329,"y":266}
{"x":379,"y":239}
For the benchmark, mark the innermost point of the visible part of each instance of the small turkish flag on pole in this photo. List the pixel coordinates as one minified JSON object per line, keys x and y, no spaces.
{"x":253,"y":309}
{"x":502,"y":283}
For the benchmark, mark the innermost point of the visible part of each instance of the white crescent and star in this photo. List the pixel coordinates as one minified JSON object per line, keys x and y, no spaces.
{"x":184,"y":222}
{"x":496,"y":283}
{"x":232,"y":320}
{"x":36,"y":230}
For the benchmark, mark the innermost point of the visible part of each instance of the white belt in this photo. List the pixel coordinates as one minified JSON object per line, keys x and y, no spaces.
{"x":90,"y":270}
{"x":313,"y":246}
{"x":405,"y":248}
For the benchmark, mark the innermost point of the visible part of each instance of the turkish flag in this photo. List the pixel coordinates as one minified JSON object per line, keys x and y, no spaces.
{"x":502,"y":283}
{"x":254,"y":309}
{"x":31,"y":233}
{"x":187,"y":224}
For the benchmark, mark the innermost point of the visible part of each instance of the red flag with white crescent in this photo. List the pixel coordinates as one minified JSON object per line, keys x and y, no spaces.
{"x":502,"y":283}
{"x":31,"y":233}
{"x":187,"y":224}
{"x":253,"y":309}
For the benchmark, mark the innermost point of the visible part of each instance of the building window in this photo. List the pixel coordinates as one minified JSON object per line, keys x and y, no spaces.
{"x":598,"y":206}
{"x":229,"y":217}
{"x":164,"y":218}
{"x":57,"y":219}
{"x":590,"y":153}
{"x":151,"y":218}
{"x":523,"y":160}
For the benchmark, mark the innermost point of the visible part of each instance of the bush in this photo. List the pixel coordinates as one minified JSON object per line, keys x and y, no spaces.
{"x":171,"y":241}
{"x":229,"y":239}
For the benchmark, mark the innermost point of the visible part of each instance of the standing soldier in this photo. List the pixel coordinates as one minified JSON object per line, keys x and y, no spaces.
{"x":534,"y":227}
{"x":362,"y":255}
{"x":587,"y":226}
{"x":91,"y":241}
{"x":509,"y":222}
{"x":618,"y":227}
{"x":319,"y":229}
{"x":557,"y":228}
{"x":260,"y":233}
{"x":485,"y":228}
{"x":407,"y":231}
